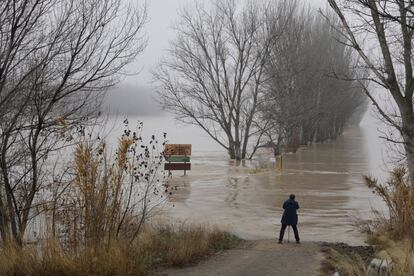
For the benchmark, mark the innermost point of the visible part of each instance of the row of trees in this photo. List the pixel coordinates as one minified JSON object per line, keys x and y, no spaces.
{"x":308,"y":97}
{"x":259,"y":75}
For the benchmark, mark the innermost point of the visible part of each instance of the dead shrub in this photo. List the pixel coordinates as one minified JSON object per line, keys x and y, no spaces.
{"x":398,"y":194}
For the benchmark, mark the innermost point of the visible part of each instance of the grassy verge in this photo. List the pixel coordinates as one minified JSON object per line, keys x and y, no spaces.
{"x":400,"y":251}
{"x":166,"y":245}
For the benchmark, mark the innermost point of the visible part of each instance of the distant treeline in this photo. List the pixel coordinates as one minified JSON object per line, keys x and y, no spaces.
{"x":308,"y":94}
{"x":255,"y":75}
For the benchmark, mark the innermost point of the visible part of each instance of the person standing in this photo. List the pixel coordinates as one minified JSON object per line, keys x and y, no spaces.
{"x":290,"y":217}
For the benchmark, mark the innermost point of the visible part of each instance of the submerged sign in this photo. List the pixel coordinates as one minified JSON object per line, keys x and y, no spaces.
{"x":177,"y":149}
{"x":177,"y":166}
{"x":178,"y":157}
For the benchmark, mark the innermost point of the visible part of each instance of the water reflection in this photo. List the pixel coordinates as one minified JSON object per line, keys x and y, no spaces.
{"x":181,"y":189}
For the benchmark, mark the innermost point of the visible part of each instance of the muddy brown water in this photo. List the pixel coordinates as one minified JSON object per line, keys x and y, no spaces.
{"x":247,"y":198}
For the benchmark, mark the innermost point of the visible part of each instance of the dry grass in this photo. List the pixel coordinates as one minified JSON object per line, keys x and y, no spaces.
{"x":394,"y":234}
{"x":398,"y":194}
{"x":345,"y":263}
{"x":182,"y":245}
{"x":391,"y":235}
{"x":158,"y":246}
{"x":108,"y":197}
{"x":400,"y":252}
{"x":99,"y":187}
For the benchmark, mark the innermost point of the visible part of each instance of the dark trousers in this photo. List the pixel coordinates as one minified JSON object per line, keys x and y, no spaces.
{"x":282,"y":232}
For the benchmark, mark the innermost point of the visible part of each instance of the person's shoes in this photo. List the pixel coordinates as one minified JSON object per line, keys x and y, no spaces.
{"x":298,"y":242}
{"x":280,"y":242}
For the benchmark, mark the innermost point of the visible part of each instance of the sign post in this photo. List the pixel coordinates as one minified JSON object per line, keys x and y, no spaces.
{"x":178,"y":157}
{"x":279,"y":162}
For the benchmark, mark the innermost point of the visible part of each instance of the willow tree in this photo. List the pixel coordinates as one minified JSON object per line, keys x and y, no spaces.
{"x":213,"y":74}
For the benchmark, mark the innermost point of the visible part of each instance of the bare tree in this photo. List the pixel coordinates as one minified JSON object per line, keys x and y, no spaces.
{"x":55,"y":58}
{"x":305,"y":100}
{"x":214,"y":73}
{"x":389,"y":27}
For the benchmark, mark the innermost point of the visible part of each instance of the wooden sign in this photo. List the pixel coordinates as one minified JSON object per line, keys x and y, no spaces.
{"x":177,"y":150}
{"x":177,"y":159}
{"x":177,"y":166}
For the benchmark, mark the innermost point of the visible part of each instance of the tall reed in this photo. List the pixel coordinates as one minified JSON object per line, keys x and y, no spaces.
{"x":398,"y":195}
{"x":109,"y":196}
{"x":395,"y":232}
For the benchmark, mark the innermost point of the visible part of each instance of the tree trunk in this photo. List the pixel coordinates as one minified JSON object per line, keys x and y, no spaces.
{"x":3,"y":222}
{"x":409,"y":149}
{"x":407,"y":134}
{"x":231,"y":151}
{"x":238,"y":151}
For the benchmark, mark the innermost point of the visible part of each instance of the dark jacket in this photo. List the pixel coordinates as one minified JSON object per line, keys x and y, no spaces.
{"x":290,"y":216}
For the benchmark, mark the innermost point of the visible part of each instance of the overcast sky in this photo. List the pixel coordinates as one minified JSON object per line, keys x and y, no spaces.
{"x":162,"y":14}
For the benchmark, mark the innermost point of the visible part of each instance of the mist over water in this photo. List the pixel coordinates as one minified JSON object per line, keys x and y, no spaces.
{"x":247,"y":198}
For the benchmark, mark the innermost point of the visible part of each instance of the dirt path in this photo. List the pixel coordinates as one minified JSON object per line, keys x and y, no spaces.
{"x":264,"y":257}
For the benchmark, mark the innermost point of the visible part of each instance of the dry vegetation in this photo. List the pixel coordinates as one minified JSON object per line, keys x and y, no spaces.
{"x":166,"y":245}
{"x":346,"y":263}
{"x":399,"y":250}
{"x":106,"y":197}
{"x":398,"y":194}
{"x":391,"y":235}
{"x":394,"y":233}
{"x":98,"y":218}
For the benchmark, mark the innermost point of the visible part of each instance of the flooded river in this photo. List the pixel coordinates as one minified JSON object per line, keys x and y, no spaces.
{"x":247,"y":198}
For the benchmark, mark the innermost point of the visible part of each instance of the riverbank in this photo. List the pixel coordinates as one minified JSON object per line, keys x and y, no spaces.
{"x":198,"y":250}
{"x":157,"y":246}
{"x":345,"y":259}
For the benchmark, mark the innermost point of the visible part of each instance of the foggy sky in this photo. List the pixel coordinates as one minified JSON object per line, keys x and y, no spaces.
{"x":135,"y":94}
{"x":161,"y":15}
